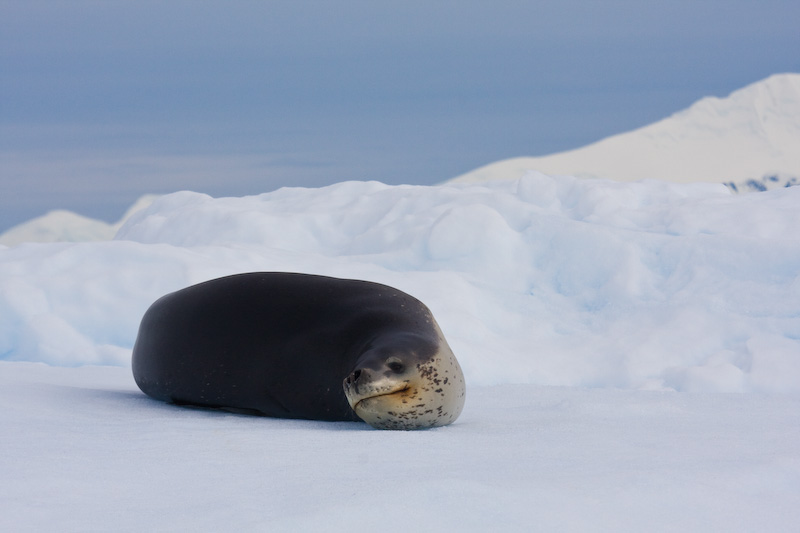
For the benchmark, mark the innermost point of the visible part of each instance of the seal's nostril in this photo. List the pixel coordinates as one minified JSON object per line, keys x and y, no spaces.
{"x":351,"y":382}
{"x":352,"y":378}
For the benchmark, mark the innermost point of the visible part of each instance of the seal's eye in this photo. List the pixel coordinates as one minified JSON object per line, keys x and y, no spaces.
{"x":395,"y":365}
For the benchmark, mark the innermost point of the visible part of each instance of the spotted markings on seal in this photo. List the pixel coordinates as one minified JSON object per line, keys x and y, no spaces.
{"x":428,"y":394}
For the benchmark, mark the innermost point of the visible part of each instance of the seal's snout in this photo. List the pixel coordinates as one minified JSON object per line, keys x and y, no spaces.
{"x":351,"y":381}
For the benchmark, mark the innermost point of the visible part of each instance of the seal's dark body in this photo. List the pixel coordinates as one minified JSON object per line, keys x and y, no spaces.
{"x":276,"y":344}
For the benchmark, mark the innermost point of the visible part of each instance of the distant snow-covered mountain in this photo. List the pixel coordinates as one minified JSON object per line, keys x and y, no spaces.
{"x":62,"y":225}
{"x":750,"y":139}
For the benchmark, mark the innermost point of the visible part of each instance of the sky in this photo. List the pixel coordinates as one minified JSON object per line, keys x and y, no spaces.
{"x":101,"y":102}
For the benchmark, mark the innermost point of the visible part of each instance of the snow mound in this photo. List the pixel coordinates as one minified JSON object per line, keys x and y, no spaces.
{"x":65,"y":226}
{"x":749,"y":137}
{"x":543,"y":280}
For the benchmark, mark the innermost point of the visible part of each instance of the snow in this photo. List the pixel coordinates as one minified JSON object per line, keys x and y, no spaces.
{"x":566,"y":282}
{"x":632,"y":355}
{"x":62,"y":225}
{"x":85,"y":451}
{"x":749,"y":138}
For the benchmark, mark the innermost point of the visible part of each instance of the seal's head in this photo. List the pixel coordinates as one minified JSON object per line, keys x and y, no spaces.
{"x":404,"y":381}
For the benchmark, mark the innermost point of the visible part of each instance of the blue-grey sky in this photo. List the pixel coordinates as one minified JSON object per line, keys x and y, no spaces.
{"x":101,"y":101}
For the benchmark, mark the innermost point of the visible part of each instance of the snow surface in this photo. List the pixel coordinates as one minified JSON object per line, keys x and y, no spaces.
{"x":753,"y":135}
{"x":576,"y":307}
{"x":84,"y":450}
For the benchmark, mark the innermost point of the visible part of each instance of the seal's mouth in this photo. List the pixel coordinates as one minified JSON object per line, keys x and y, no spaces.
{"x":404,"y":388}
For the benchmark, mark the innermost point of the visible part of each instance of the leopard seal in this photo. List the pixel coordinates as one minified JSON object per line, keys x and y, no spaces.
{"x":292,"y":345}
